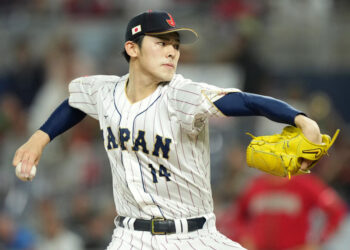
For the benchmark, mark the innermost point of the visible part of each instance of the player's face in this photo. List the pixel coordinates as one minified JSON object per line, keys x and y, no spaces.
{"x":159,"y":55}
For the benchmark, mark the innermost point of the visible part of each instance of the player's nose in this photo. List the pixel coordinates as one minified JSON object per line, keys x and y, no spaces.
{"x":171,"y":51}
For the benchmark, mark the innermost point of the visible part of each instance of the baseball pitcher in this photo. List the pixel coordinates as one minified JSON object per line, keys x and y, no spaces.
{"x":155,"y":130}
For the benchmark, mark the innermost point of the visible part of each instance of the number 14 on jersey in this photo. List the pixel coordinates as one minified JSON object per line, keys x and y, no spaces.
{"x":163,"y":172}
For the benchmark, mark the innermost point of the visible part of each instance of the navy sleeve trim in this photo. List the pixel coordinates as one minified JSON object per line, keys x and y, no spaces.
{"x":62,"y":119}
{"x":248,"y":104}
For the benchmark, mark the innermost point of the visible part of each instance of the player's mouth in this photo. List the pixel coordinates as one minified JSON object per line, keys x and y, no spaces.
{"x":170,"y":65}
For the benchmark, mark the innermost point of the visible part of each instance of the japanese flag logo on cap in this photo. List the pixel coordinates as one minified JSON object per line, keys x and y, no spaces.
{"x":136,"y":29}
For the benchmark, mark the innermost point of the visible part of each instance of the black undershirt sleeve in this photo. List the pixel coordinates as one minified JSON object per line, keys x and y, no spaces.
{"x":247,"y":104}
{"x":62,"y":119}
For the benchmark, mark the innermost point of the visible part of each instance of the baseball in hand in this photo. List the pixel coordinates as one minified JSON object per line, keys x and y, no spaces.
{"x":21,"y":176}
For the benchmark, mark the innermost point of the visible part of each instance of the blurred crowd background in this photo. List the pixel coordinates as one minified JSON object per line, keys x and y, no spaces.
{"x":295,"y":50}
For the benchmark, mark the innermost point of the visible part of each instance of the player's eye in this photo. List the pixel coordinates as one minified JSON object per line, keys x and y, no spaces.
{"x":177,"y":46}
{"x":162,"y":43}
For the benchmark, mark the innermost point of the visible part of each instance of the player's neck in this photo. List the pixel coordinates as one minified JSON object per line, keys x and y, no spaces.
{"x":140,"y":86}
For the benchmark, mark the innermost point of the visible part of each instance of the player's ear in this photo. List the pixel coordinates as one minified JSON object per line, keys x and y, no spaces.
{"x":131,"y":48}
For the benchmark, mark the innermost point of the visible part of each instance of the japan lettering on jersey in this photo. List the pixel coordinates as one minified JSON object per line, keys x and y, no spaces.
{"x":158,"y":147}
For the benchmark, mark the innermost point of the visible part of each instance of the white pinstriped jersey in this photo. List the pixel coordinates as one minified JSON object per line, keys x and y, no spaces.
{"x":158,"y":147}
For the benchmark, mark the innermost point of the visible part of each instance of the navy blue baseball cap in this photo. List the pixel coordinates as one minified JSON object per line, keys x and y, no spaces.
{"x":157,"y":23}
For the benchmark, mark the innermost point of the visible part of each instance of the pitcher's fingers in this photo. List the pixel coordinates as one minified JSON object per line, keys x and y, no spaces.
{"x":305,"y":164}
{"x":36,"y":162}
{"x":25,"y":163}
{"x":17,"y":158}
{"x":30,"y":163}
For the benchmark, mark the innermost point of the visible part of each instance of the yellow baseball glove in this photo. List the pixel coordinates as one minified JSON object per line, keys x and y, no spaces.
{"x":282,"y":154}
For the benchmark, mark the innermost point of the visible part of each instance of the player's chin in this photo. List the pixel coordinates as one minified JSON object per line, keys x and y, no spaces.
{"x":167,"y":76}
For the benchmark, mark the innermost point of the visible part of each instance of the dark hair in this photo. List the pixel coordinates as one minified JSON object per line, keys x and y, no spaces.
{"x":138,"y":41}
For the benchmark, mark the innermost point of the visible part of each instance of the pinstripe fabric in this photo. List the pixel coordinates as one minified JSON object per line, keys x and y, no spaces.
{"x":207,"y":238}
{"x":158,"y":148}
{"x":177,"y":111}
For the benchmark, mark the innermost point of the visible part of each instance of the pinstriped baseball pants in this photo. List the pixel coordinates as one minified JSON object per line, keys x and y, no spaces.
{"x":206,"y":238}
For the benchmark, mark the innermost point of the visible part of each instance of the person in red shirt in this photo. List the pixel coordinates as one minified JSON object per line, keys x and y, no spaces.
{"x":275,"y":213}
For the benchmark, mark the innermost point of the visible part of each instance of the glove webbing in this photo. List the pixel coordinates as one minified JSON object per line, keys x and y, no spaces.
{"x":326,"y":151}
